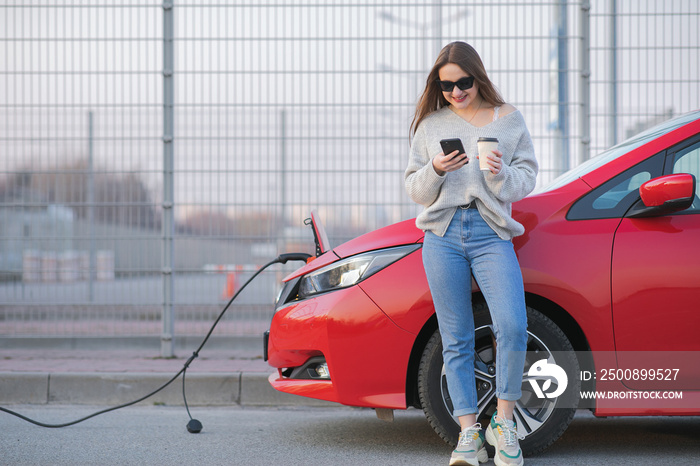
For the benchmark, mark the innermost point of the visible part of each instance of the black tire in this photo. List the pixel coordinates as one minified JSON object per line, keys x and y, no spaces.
{"x":541,"y":421}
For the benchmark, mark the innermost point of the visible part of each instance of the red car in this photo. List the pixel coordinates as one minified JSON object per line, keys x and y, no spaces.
{"x":611,"y":266}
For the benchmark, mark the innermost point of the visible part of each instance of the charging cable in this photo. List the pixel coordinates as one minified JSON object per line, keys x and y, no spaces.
{"x":193,"y":426}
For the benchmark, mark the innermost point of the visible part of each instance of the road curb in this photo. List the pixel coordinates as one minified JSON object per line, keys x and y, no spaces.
{"x":109,"y":389}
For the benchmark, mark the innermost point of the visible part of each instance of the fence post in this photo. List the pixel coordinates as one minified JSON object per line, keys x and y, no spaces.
{"x":563,"y":84}
{"x":92,"y":262}
{"x":167,"y":339}
{"x":613,"y":74}
{"x":283,"y":170}
{"x":585,"y":92}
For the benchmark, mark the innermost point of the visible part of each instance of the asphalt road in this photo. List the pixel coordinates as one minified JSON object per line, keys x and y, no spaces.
{"x":317,"y":436}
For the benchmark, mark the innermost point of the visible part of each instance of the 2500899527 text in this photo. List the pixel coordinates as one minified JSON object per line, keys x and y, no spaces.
{"x":631,"y":374}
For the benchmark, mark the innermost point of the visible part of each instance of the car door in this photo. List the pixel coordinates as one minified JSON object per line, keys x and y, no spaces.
{"x":656,"y":286}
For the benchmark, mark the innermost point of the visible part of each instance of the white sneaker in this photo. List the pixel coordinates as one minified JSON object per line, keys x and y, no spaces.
{"x":470,"y":450}
{"x":503,"y":435}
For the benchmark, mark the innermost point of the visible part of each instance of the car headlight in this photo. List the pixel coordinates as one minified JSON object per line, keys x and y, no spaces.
{"x":352,"y":270}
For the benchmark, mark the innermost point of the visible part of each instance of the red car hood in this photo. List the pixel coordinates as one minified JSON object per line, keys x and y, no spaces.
{"x":393,"y":235}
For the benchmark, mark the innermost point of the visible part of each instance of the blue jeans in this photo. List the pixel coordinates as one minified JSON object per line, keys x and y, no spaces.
{"x":469,"y":247}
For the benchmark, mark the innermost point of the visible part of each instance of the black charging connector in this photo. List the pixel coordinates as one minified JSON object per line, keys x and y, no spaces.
{"x":193,"y":426}
{"x":293,"y":256}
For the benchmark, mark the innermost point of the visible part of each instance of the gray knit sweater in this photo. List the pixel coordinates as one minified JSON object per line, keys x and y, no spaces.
{"x":442,"y":195}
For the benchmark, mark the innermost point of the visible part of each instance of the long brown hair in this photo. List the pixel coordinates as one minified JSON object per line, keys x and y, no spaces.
{"x":464,"y":56}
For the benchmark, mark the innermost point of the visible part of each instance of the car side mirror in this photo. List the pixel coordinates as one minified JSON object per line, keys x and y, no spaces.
{"x":664,"y":195}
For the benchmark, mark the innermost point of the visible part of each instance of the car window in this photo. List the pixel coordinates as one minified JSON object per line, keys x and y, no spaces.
{"x":611,"y":198}
{"x":614,"y":197}
{"x":688,"y":161}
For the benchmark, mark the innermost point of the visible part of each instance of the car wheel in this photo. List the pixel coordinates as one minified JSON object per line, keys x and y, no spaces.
{"x":541,"y":421}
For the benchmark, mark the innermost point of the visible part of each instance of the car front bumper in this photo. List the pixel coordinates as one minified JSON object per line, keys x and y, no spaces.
{"x":366,"y":353}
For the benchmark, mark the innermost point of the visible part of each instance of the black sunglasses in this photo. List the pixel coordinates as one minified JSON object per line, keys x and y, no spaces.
{"x":463,"y":84}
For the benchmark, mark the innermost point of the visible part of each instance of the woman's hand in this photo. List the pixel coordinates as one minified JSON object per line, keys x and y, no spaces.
{"x":494,"y":161}
{"x":448,"y":163}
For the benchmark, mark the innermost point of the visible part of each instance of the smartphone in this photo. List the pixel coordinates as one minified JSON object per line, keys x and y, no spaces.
{"x":451,"y":145}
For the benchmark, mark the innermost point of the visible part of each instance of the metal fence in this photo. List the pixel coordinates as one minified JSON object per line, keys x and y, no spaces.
{"x":153,"y":154}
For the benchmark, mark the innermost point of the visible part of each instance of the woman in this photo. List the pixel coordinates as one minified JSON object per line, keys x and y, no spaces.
{"x":468,"y":230}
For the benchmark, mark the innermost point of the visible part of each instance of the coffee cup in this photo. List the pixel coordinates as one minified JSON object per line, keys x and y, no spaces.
{"x":486,"y":146}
